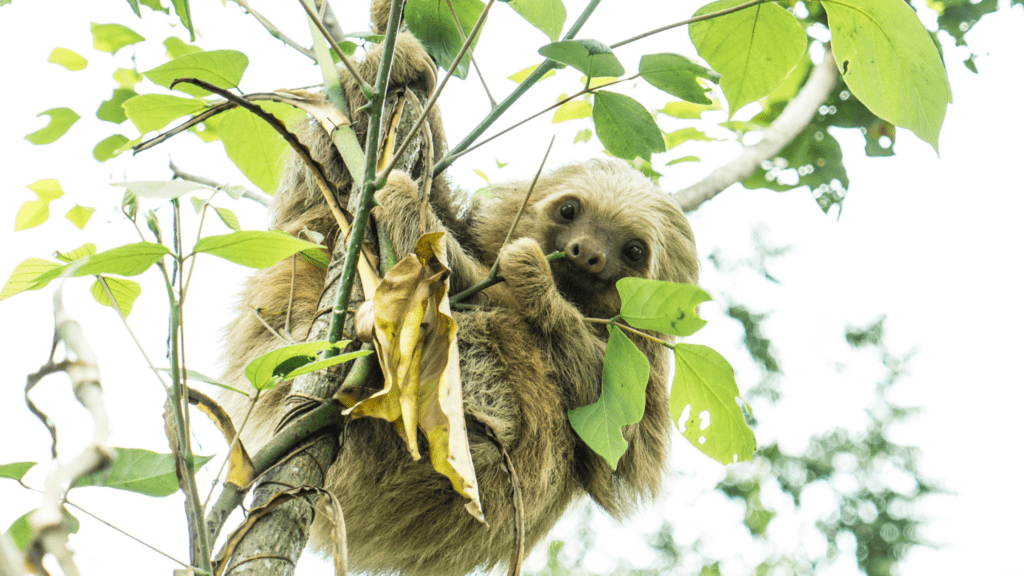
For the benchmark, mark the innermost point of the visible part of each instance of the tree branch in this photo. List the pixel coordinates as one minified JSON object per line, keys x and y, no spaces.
{"x":796,"y":116}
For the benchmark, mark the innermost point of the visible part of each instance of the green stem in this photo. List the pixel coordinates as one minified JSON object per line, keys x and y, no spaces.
{"x":532,"y":79}
{"x":376,"y":108}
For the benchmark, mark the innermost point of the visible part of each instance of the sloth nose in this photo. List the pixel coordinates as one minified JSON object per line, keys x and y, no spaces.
{"x":585,"y":256}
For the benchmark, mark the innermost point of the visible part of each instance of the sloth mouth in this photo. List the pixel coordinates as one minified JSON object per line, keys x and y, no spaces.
{"x":580,"y":288}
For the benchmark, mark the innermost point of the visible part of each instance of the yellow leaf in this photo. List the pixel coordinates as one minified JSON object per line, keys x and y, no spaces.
{"x":415,"y":338}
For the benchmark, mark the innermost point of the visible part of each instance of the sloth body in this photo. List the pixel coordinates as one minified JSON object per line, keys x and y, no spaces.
{"x":525,"y":361}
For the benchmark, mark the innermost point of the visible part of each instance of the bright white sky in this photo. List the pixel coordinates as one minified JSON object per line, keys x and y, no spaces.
{"x":932,"y":243}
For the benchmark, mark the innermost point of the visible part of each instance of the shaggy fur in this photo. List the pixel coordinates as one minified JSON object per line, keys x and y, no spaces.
{"x":526,"y":359}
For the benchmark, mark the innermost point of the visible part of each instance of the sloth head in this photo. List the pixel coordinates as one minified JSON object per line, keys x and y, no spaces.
{"x":610,"y":221}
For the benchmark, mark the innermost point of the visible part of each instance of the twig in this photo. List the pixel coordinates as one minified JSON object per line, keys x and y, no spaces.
{"x":707,"y":16}
{"x":472,"y":59}
{"x":588,"y":90}
{"x":315,"y":19}
{"x":383,"y":176}
{"x":793,"y":119}
{"x":253,"y":195}
{"x":625,"y":327}
{"x":274,"y":31}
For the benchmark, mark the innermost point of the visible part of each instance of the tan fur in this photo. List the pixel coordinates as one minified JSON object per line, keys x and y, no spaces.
{"x":525,"y":361}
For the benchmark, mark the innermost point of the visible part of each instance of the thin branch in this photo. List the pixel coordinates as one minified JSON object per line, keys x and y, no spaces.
{"x":472,"y":59}
{"x":525,"y":85}
{"x":383,"y":176}
{"x":707,"y":16}
{"x":790,"y":123}
{"x":588,"y":90}
{"x":253,"y":195}
{"x":315,"y":19}
{"x":274,"y":31}
{"x":627,"y":328}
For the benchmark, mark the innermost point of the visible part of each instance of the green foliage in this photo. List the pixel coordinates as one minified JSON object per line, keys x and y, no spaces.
{"x":677,"y":75}
{"x":160,"y":189}
{"x":254,"y":146}
{"x":622,"y":400}
{"x":292,"y":361}
{"x":112,"y":37}
{"x":753,"y":49}
{"x":222,"y":68}
{"x":665,"y":307}
{"x":79,"y":216}
{"x":109,"y":147}
{"x":124,"y":291}
{"x":548,"y":16}
{"x":35,"y":212}
{"x":61,"y":120}
{"x":111,"y":110}
{"x":140,"y":471}
{"x":20,"y":532}
{"x":15,"y":470}
{"x":902,"y":79}
{"x":253,"y":248}
{"x":625,"y":127}
{"x":68,"y":59}
{"x":433,"y":25}
{"x":705,"y":394}
{"x":588,"y":56}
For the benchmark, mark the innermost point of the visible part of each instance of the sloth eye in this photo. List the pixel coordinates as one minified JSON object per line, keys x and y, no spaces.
{"x":634,"y":251}
{"x":568,"y":211}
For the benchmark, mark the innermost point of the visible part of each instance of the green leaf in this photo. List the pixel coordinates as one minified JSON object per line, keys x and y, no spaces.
{"x":61,"y":120}
{"x":79,"y":215}
{"x":35,"y":212}
{"x":518,"y":77}
{"x":127,"y":78}
{"x":253,"y":248}
{"x":184,"y":12}
{"x":686,"y":110}
{"x":625,"y":127}
{"x":583,"y":136}
{"x":140,"y":471}
{"x":548,"y":16}
{"x":87,"y":249}
{"x":753,"y":49}
{"x":288,"y":362}
{"x":128,"y":260}
{"x":111,"y":110}
{"x":153,"y":223}
{"x":677,"y":137}
{"x":574,"y":110}
{"x":25,"y":276}
{"x":20,"y":531}
{"x":161,"y":189}
{"x":667,"y":307}
{"x":588,"y":56}
{"x":113,"y":37}
{"x":254,"y":146}
{"x":222,"y":68}
{"x":432,"y":24}
{"x":889,"y":62}
{"x":704,"y":391}
{"x":681,"y":160}
{"x":68,"y":59}
{"x":124,"y":291}
{"x":623,"y":386}
{"x":15,"y":470}
{"x":109,"y":147}
{"x":176,"y":47}
{"x":813,"y":159}
{"x":676,"y":75}
{"x":151,"y":112}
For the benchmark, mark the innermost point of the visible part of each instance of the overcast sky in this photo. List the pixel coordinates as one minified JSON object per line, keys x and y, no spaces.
{"x":932,"y":243}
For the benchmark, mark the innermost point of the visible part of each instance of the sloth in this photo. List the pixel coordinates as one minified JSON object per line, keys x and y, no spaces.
{"x":526,"y":358}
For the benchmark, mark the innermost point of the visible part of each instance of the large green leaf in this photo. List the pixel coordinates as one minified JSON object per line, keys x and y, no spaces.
{"x":704,"y":390}
{"x":151,"y":112}
{"x":676,"y":75}
{"x":25,"y":276}
{"x":113,"y":37}
{"x":254,"y":146}
{"x":61,"y":120}
{"x":667,"y":307}
{"x":753,"y":49}
{"x":128,"y":260}
{"x":548,"y":16}
{"x":292,"y":361}
{"x":591,"y":57}
{"x":254,"y":248}
{"x":889,"y":62}
{"x":222,"y":68}
{"x":622,"y":401}
{"x":140,"y":471}
{"x":432,"y":24}
{"x":625,"y":127}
